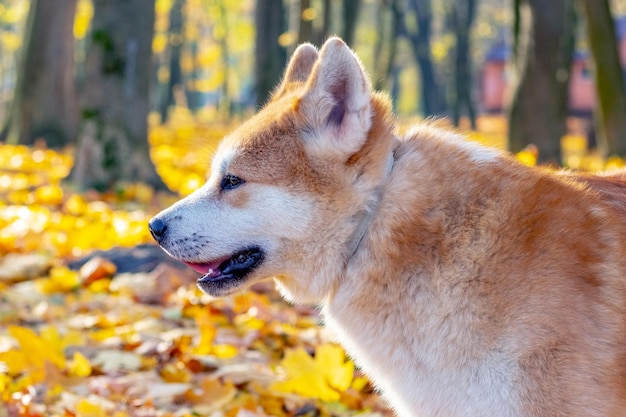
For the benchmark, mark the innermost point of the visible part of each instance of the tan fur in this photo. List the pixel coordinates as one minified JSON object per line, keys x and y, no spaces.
{"x":464,"y":283}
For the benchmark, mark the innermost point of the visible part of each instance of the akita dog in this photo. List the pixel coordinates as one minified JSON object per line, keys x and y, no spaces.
{"x":462,"y":282}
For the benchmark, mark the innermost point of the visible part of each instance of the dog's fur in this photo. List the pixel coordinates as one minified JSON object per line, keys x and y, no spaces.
{"x":463,"y":283}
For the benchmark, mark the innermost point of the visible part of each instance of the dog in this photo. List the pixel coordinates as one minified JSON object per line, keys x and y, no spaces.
{"x":461,"y":281}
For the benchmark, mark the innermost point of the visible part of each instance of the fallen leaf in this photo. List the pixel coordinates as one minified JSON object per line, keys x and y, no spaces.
{"x":110,"y":361}
{"x":80,"y":366}
{"x":96,"y":269}
{"x":321,"y":377}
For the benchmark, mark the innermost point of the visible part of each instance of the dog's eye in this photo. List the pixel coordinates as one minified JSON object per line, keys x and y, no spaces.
{"x":230,"y":182}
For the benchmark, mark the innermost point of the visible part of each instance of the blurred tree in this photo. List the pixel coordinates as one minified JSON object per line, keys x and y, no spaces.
{"x":175,"y":42}
{"x":385,"y":47}
{"x":305,"y":29}
{"x":611,"y":117}
{"x":462,"y":17}
{"x":113,"y":137}
{"x":350,"y":15}
{"x":544,"y":42}
{"x":433,"y":101}
{"x":45,"y":102}
{"x":221,"y":36}
{"x":270,"y":56}
{"x":326,"y":23}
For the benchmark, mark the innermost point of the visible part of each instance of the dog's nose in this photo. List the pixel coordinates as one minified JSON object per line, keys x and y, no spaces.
{"x":157,"y":228}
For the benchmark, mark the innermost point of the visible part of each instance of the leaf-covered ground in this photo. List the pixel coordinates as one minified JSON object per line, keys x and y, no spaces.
{"x":113,"y":336}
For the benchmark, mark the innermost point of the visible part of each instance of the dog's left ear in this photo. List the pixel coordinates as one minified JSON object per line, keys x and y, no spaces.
{"x":336,"y":104}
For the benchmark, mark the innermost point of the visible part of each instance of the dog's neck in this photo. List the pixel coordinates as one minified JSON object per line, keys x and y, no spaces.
{"x":365,"y":216}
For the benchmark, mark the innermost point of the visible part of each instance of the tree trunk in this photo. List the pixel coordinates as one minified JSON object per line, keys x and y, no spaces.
{"x":324,"y":33}
{"x":113,"y":139}
{"x":350,"y":15}
{"x":611,"y":117}
{"x":463,"y":14}
{"x":224,"y":102}
{"x":175,"y":81}
{"x":433,"y":101}
{"x":270,"y":57}
{"x":544,"y":49}
{"x":305,"y":30}
{"x":385,"y":47}
{"x":45,"y":101}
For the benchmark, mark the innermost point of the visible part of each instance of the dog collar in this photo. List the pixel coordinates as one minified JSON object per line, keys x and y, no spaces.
{"x":369,"y":212}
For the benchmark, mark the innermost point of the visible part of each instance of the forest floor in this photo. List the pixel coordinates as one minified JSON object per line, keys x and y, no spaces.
{"x":96,"y":321}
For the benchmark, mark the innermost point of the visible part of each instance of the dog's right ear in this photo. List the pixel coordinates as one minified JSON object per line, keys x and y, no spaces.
{"x":298,"y":70}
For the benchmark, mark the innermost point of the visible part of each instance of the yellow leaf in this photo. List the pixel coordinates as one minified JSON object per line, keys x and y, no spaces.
{"x":75,"y":205}
{"x":50,"y":335}
{"x":339,"y":374}
{"x":175,"y":373}
{"x":61,"y":279}
{"x":79,"y":366}
{"x":85,"y":408}
{"x":573,"y":143}
{"x":527,"y":158}
{"x":5,"y":385}
{"x":613,"y":162}
{"x":225,"y":351}
{"x":15,"y":361}
{"x":211,"y":393}
{"x":207,"y":333}
{"x":37,"y":348}
{"x":359,"y":383}
{"x":321,"y":377}
{"x":35,"y":357}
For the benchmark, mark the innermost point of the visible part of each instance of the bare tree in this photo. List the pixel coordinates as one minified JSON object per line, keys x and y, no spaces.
{"x":385,"y":47}
{"x":113,"y":139}
{"x":270,"y":57}
{"x":324,"y":33}
{"x":177,"y":20}
{"x":305,"y":29}
{"x":433,"y":101}
{"x":350,"y":15}
{"x":611,"y":117}
{"x":45,"y":102}
{"x":463,"y":14}
{"x":544,"y":44}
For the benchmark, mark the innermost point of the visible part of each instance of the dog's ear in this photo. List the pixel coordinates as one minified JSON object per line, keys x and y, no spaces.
{"x":298,"y":70}
{"x":336,"y":104}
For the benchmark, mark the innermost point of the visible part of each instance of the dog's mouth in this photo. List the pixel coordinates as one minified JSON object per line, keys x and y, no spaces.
{"x":223,"y":274}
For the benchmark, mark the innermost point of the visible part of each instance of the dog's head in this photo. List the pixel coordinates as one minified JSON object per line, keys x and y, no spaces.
{"x":290,"y":188}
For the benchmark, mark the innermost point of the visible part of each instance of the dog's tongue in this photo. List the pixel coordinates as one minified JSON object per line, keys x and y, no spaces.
{"x":209,"y":268}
